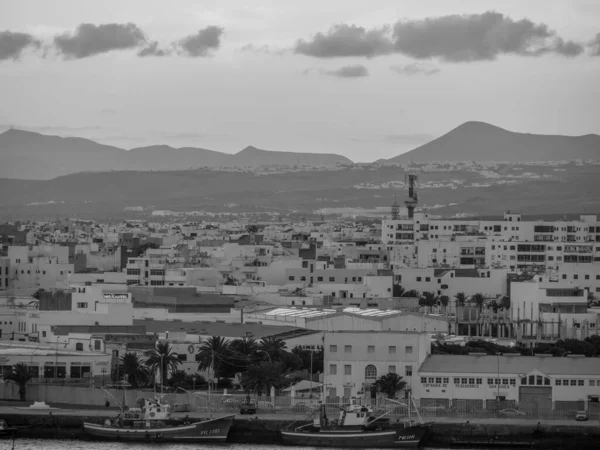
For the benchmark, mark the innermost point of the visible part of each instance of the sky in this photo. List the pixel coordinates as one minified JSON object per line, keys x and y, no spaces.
{"x":367,"y":80}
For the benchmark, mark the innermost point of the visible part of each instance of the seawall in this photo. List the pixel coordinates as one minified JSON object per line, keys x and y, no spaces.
{"x":263,"y":430}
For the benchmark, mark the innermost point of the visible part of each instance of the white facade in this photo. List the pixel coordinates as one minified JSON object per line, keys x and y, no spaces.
{"x":354,"y":359}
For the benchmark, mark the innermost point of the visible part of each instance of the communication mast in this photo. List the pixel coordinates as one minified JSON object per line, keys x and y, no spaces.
{"x":395,"y":210}
{"x":412,"y":179}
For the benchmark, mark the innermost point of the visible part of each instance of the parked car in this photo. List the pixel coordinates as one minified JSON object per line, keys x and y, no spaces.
{"x":230,"y":402}
{"x":306,"y":405}
{"x":248,"y":407}
{"x":581,"y":416}
{"x":511,"y":412}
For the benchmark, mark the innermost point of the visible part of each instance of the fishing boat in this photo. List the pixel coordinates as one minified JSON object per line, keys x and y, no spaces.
{"x":356,"y":427}
{"x":5,"y":430}
{"x":151,"y":421}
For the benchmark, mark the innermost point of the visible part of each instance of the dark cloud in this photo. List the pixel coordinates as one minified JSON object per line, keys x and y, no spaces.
{"x":153,"y":50}
{"x":415,"y":69}
{"x":355,"y":71}
{"x":90,"y":39}
{"x":454,"y":38}
{"x":595,"y":45}
{"x":12,"y":44}
{"x":475,"y":37}
{"x":346,"y":40}
{"x":201,"y":43}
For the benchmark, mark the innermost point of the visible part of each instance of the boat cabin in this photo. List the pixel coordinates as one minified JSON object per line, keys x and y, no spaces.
{"x":149,"y":409}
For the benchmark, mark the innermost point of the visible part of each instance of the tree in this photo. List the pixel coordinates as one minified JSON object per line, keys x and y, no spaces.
{"x":413,"y":293}
{"x":142,"y":248}
{"x":133,"y":367}
{"x":20,"y":375}
{"x":261,"y":377}
{"x":180,"y":379}
{"x":444,"y":300}
{"x":390,"y":384}
{"x":504,"y":302}
{"x":213,"y":354}
{"x":461,"y":299}
{"x":252,"y":229}
{"x":428,"y":299}
{"x":398,"y":290}
{"x":274,"y":347}
{"x":164,"y":359}
{"x":479,"y":301}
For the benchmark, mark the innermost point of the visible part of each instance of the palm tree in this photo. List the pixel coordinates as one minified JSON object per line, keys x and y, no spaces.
{"x":274,"y":347}
{"x":428,"y":299}
{"x":412,"y":293}
{"x":444,"y":300}
{"x":133,"y":367}
{"x":398,"y":290}
{"x":241,"y":352}
{"x":164,"y":359}
{"x":20,"y":375}
{"x":261,"y":377}
{"x":461,"y":299}
{"x":212,"y":354}
{"x":478,"y":300}
{"x":390,"y":383}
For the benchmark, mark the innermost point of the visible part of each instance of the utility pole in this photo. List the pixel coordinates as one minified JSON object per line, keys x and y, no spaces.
{"x":311,"y":372}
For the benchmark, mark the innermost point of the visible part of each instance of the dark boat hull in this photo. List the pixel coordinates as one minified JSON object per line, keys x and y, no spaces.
{"x":410,"y":437}
{"x":211,"y":430}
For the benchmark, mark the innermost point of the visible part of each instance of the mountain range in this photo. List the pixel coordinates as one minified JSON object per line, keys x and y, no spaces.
{"x":28,"y":155}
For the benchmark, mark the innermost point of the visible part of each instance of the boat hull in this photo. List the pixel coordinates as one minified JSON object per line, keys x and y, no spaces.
{"x":410,"y":437}
{"x":211,"y":430}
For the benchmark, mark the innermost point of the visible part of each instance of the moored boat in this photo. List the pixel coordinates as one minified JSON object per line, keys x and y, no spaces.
{"x":355,"y":428}
{"x":151,"y":421}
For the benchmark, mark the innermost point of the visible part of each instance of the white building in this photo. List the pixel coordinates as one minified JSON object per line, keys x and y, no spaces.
{"x":355,"y":359}
{"x":527,"y":381}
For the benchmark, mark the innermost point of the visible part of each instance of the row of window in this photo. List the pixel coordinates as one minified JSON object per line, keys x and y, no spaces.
{"x":331,"y":279}
{"x":532,"y":380}
{"x":408,"y":349}
{"x":370,"y":371}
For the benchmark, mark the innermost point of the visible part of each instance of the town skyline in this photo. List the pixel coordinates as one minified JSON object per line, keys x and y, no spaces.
{"x":219,"y":77}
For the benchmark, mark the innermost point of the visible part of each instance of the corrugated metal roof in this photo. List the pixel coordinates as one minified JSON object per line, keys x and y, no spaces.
{"x":517,"y":364}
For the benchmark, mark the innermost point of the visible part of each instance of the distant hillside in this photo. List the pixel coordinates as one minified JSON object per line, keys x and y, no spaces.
{"x":252,"y":156}
{"x":478,"y":141}
{"x":28,"y":155}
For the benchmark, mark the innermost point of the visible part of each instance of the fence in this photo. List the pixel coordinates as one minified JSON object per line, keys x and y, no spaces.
{"x":429,"y":409}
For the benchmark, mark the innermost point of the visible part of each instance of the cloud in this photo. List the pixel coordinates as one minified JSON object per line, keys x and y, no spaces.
{"x":345,"y":41}
{"x":594,"y":45}
{"x":415,"y":69}
{"x":153,"y":50}
{"x":475,"y":37}
{"x":453,"y":38}
{"x":89,"y":39}
{"x":12,"y":44}
{"x":201,"y":43}
{"x":355,"y":71}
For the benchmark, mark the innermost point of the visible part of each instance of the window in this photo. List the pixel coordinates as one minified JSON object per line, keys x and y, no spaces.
{"x":97,"y":345}
{"x":446,"y":380}
{"x":391,"y":369}
{"x":592,"y":382}
{"x":347,"y":369}
{"x":333,"y":348}
{"x":79,"y":347}
{"x":370,"y":373}
{"x":409,"y":349}
{"x":431,"y":380}
{"x":438,"y":380}
{"x":423,"y":380}
{"x":331,"y":278}
{"x":580,"y":382}
{"x":347,"y":348}
{"x":557,"y":382}
{"x":82,"y":304}
{"x":418,"y":278}
{"x":490,"y":381}
{"x":478,"y":380}
{"x":157,"y":272}
{"x":573,"y":382}
{"x":371,"y":349}
{"x":463,"y":381}
{"x":133,"y":271}
{"x":332,"y":369}
{"x":291,"y":278}
{"x":392,"y":349}
{"x":408,"y":371}
{"x":457,"y":381}
{"x":471,"y":380}
{"x":78,"y":370}
{"x":319,"y":278}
